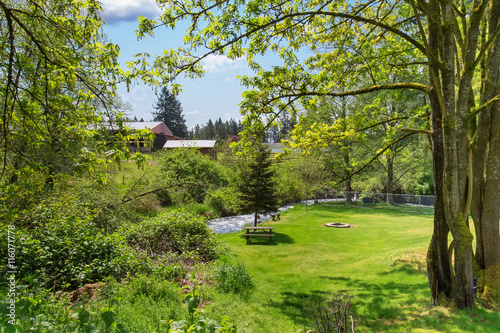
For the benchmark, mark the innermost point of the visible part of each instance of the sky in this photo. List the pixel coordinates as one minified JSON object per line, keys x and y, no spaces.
{"x":216,"y":94}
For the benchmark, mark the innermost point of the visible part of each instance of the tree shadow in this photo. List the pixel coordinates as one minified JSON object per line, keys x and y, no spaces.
{"x":378,"y":301}
{"x":395,"y":305}
{"x":298,"y":305}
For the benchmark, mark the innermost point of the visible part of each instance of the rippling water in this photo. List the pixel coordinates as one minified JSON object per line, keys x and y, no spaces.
{"x":227,"y":224}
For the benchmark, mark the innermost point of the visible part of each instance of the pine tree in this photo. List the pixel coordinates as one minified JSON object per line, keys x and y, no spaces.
{"x":169,"y":111}
{"x":258,"y":185}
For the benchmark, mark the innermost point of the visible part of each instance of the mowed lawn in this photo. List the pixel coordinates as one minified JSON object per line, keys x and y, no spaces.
{"x":380,"y":263}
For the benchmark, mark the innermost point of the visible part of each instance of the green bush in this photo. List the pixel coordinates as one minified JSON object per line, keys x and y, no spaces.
{"x":63,"y":247}
{"x":188,"y":166}
{"x":232,"y":277}
{"x":164,"y":197}
{"x":224,"y":200}
{"x":105,"y":200}
{"x":143,"y":305}
{"x":198,"y":208}
{"x":176,"y":231}
{"x":424,"y":184}
{"x":70,"y":259}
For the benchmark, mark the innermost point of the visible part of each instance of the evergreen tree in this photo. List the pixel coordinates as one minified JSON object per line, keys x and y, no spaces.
{"x":209,"y":130}
{"x":169,"y":111}
{"x":258,"y":192}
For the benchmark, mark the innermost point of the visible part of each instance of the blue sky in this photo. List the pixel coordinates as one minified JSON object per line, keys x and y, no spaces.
{"x":215,"y":95}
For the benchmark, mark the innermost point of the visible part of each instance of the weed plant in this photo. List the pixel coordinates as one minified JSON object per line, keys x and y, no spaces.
{"x":232,"y":277}
{"x":334,"y":316}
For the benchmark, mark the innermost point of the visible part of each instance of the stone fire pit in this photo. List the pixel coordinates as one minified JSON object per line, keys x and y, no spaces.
{"x":338,"y":225}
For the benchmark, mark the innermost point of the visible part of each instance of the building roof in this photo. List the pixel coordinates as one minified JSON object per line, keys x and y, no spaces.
{"x":156,"y":127}
{"x":276,"y":147}
{"x":190,"y":144}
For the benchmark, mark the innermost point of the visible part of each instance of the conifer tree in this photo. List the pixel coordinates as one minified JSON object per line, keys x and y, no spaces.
{"x":258,"y":185}
{"x":169,"y":111}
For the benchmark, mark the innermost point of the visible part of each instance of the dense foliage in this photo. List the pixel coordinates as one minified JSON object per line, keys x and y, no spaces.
{"x":194,"y":172}
{"x":178,"y":232}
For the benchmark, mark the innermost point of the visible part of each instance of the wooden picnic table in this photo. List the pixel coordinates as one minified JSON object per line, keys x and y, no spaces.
{"x":259,"y":231}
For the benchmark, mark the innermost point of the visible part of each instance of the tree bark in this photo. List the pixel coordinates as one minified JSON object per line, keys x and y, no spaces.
{"x":438,"y":264}
{"x":439,"y":269}
{"x":390,"y":179}
{"x":491,"y":212}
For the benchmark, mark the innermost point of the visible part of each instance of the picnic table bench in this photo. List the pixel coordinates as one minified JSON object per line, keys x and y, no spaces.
{"x":258,"y":231}
{"x":276,"y":216}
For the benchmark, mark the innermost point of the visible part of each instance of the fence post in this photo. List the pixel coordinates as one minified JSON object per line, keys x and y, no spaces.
{"x":356,"y":200}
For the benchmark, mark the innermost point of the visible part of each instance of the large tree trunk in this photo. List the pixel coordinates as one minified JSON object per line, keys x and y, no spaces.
{"x":491,"y":212}
{"x":390,"y":180}
{"x":439,"y":269}
{"x":486,"y":211}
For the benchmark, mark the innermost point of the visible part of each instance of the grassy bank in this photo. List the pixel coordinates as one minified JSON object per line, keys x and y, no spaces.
{"x":380,"y":263}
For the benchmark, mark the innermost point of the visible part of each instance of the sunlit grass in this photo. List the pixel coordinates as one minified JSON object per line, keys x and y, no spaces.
{"x":380,"y":263}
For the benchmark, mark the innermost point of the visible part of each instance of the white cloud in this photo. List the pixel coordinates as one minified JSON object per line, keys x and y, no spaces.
{"x":219,"y":63}
{"x":193,"y":112}
{"x":128,"y":10}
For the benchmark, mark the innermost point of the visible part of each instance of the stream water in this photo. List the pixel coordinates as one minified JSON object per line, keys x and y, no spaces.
{"x":228,"y":224}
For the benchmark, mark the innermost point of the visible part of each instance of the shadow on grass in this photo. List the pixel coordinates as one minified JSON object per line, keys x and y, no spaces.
{"x":393,"y":306}
{"x":278,"y":238}
{"x":298,"y":305}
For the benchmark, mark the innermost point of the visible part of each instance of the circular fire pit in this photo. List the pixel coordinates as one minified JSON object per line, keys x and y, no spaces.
{"x":338,"y":225}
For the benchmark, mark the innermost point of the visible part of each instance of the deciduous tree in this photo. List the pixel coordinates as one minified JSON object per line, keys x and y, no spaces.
{"x":455,"y":43}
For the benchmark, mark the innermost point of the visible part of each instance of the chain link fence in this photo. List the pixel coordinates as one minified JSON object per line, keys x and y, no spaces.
{"x":410,"y":203}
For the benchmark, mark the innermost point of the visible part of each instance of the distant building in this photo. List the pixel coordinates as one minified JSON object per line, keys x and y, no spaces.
{"x":160,"y":130}
{"x":275,"y":147}
{"x":206,"y":147}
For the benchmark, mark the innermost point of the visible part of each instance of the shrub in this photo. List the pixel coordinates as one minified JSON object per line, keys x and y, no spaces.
{"x":145,"y":205}
{"x":154,"y":288}
{"x":232,"y":277}
{"x":186,"y":165}
{"x":164,"y":197}
{"x":176,"y":231}
{"x":198,"y":208}
{"x":62,"y":245}
{"x":423,"y":184}
{"x":224,"y":200}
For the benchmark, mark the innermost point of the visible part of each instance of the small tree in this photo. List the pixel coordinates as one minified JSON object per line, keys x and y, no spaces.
{"x":258,"y":192}
{"x":169,"y":111}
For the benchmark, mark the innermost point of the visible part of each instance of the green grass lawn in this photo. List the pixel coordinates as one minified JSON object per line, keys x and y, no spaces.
{"x":380,"y":263}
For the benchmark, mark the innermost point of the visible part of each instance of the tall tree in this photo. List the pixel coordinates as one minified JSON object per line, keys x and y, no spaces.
{"x":257,"y":186}
{"x":169,"y":111}
{"x":56,"y":87}
{"x":456,"y":43}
